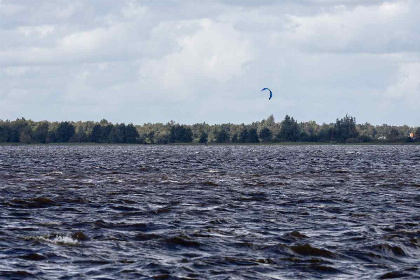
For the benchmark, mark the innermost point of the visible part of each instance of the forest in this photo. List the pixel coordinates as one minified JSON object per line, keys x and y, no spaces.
{"x":343,"y":130}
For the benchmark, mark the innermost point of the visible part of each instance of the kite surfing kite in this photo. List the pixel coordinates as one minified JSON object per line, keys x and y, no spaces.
{"x":271,"y":94}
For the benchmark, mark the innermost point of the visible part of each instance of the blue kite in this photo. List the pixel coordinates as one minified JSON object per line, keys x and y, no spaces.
{"x":271,"y":94}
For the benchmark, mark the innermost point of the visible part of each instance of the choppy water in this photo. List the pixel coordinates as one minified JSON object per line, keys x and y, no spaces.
{"x":216,"y":212}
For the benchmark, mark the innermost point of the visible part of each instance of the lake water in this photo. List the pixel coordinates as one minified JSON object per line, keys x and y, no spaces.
{"x":215,"y":212}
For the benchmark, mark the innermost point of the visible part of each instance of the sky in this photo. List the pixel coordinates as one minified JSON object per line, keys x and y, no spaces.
{"x":207,"y":61}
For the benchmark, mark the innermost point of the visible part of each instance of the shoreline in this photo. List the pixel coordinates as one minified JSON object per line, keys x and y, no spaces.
{"x":220,"y":144}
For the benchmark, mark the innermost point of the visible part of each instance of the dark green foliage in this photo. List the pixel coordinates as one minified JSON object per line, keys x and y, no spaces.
{"x":64,"y":132}
{"x":252,"y":136}
{"x":131,"y":134}
{"x":95,"y":135}
{"x":221,"y":135}
{"x":101,"y":132}
{"x":394,"y":135}
{"x":150,"y":137}
{"x":266,"y":135}
{"x":417,"y":134}
{"x":16,"y":129}
{"x":345,"y":129}
{"x":5,"y":133}
{"x":80,"y":136}
{"x":40,"y":133}
{"x":325,"y":134}
{"x":52,"y":137}
{"x":105,"y":131}
{"x":118,"y":134}
{"x":162,"y":139}
{"x":289,"y":130}
{"x":203,"y":137}
{"x":235,"y":138}
{"x":243,"y":136}
{"x":26,"y":135}
{"x":364,"y":139}
{"x":180,"y":134}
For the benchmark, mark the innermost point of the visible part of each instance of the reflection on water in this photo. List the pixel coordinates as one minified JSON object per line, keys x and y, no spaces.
{"x":216,"y":212}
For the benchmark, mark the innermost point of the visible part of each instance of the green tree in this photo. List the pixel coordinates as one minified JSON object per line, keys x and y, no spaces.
{"x":345,"y":129}
{"x":289,"y":130}
{"x":393,"y":135}
{"x":221,"y":135}
{"x":16,"y":128}
{"x":150,"y":137}
{"x":118,"y":134}
{"x":95,"y":135}
{"x":243,"y":136}
{"x":4,"y":133}
{"x":265,"y":134}
{"x":40,"y":133}
{"x":417,"y":134}
{"x":105,"y":131}
{"x":52,"y":136}
{"x":235,"y":138}
{"x":64,"y":132}
{"x":252,"y":136}
{"x":80,"y":136}
{"x":180,"y":134}
{"x":26,"y":135}
{"x":131,"y":134}
{"x":325,"y":133}
{"x":204,"y":137}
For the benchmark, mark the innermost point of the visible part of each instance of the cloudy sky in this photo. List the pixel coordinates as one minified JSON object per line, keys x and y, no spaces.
{"x":195,"y":61}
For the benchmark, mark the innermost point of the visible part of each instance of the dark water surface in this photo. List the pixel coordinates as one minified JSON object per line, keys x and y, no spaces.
{"x":216,"y":212}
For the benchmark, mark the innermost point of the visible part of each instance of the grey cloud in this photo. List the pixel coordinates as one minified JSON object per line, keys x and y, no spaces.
{"x":190,"y":61}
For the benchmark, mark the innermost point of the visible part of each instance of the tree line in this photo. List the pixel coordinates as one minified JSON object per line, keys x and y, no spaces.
{"x":344,"y":130}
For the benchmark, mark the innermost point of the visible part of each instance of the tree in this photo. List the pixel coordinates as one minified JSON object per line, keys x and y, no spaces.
{"x":243,"y":136}
{"x":64,"y":132}
{"x":309,"y":131}
{"x":150,"y":137}
{"x":104,"y":132}
{"x":289,"y":130}
{"x":345,"y":129}
{"x":417,"y":134}
{"x":393,"y":135}
{"x":131,"y":134}
{"x":95,"y":135}
{"x":265,"y":135}
{"x":204,"y":137}
{"x":118,"y":134}
{"x":40,"y":133}
{"x":26,"y":135}
{"x":4,"y":133}
{"x":180,"y":134}
{"x":252,"y":136}
{"x":16,"y":129}
{"x":52,"y":136}
{"x":235,"y":138}
{"x":221,"y":135}
{"x":80,"y":136}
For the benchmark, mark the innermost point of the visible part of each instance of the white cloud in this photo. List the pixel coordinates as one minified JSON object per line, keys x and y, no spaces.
{"x":137,"y":61}
{"x":407,"y":86}
{"x":216,"y":52}
{"x":39,"y":31}
{"x":366,"y":29}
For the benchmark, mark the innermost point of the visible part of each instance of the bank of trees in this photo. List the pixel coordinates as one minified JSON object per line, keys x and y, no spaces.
{"x":343,"y":130}
{"x":27,"y":131}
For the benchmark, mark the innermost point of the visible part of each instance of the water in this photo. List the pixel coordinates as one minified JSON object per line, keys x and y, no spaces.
{"x":216,"y":212}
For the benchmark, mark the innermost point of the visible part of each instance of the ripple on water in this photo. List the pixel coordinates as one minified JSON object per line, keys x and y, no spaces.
{"x":215,"y":212}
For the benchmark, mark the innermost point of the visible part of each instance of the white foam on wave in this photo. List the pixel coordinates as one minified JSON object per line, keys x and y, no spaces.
{"x":59,"y":240}
{"x":212,"y":171}
{"x":64,"y":240}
